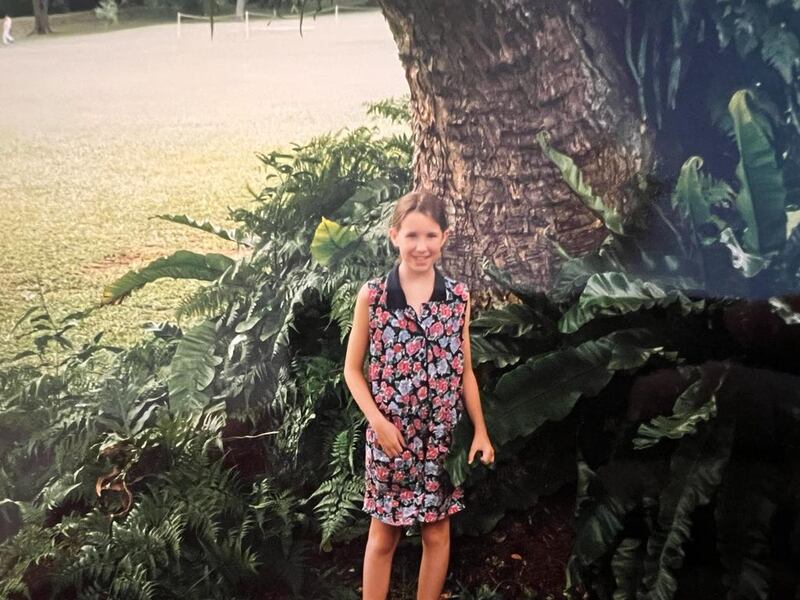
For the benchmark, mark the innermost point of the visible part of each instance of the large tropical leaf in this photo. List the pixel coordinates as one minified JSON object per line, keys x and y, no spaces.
{"x":614,"y":294}
{"x":604,"y":498}
{"x":695,"y":472}
{"x":183,"y":264}
{"x":192,"y":369}
{"x":232,"y":235}
{"x":366,"y":199}
{"x":547,"y":386}
{"x":693,"y":197}
{"x":696,"y":404}
{"x":781,"y":49}
{"x":574,"y":179}
{"x":628,"y":567}
{"x":762,"y":193}
{"x":575,"y":272}
{"x":514,"y":320}
{"x":493,"y":350}
{"x":332,"y":241}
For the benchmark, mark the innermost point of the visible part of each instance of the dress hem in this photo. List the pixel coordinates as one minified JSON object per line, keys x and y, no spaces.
{"x":458,"y":506}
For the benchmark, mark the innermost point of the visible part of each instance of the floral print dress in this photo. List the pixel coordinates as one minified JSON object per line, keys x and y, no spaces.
{"x":416,"y":362}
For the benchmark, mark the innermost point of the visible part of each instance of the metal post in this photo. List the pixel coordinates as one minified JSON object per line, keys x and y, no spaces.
{"x":179,"y":25}
{"x":247,"y":24}
{"x":336,"y":14}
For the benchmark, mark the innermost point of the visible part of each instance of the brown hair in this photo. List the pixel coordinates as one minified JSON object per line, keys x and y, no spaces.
{"x":420,"y":201}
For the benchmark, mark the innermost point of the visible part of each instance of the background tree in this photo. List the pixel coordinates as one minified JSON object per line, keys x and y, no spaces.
{"x":627,"y":88}
{"x":41,"y":20}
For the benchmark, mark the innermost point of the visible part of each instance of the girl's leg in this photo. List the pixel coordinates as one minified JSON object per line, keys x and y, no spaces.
{"x":381,"y":544}
{"x":435,"y":558}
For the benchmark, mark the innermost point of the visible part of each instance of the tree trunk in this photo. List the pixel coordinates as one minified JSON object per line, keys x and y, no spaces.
{"x":485,"y":77}
{"x":41,"y":21}
{"x":240,"y":6}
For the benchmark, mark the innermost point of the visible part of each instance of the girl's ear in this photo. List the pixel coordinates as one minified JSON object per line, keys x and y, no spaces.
{"x":445,"y":235}
{"x":393,"y":236}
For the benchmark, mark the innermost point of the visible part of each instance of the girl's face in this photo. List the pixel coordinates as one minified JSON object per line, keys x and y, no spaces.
{"x":419,"y":240}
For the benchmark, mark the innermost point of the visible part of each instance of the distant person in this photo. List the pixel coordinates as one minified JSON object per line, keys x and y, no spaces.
{"x":7,"y":39}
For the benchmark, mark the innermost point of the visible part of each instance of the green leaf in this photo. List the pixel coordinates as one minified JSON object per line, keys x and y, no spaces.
{"x":693,"y":197}
{"x":366,"y":198}
{"x":602,"y":503}
{"x":695,"y":472}
{"x":780,"y":49}
{"x":232,"y":235}
{"x":183,"y":264}
{"x":762,"y":193}
{"x":696,"y":404}
{"x":331,"y":240}
{"x":546,"y":387}
{"x":192,"y":369}
{"x":574,"y":179}
{"x":514,"y":320}
{"x":613,"y":294}
{"x":627,"y":566}
{"x":493,"y":350}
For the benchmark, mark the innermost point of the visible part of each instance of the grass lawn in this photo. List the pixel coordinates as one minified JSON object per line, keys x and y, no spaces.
{"x":101,"y":132}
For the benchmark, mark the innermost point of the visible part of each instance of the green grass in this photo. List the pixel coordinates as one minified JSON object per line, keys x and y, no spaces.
{"x":81,"y":236}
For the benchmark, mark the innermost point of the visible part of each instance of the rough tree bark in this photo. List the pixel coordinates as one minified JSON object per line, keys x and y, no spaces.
{"x":41,"y":20}
{"x":485,"y":76}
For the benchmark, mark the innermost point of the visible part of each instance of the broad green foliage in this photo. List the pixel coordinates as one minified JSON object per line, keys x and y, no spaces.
{"x":181,"y":265}
{"x":748,"y":43}
{"x":331,"y":239}
{"x":192,"y":370}
{"x":675,"y":277}
{"x":696,"y":403}
{"x":761,"y":194}
{"x":613,"y":294}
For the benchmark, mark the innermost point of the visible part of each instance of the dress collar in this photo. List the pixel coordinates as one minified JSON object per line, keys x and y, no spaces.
{"x":395,"y":298}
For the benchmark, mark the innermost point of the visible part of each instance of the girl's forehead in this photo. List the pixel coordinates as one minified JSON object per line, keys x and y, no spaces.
{"x":418,"y":220}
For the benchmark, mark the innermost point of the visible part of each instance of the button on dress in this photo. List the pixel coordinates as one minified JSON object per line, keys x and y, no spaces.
{"x":416,"y":362}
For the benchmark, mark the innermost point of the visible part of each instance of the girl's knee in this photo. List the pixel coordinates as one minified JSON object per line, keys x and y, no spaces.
{"x":383,"y":538}
{"x":436,"y":534}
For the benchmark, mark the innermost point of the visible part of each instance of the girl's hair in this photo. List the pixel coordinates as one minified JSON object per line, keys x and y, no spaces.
{"x":420,"y":201}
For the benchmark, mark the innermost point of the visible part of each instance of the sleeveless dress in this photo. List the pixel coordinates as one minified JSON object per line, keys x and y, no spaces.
{"x":415,"y":376}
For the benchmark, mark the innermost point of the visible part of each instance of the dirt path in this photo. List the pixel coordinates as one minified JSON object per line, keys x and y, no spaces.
{"x":99,"y":132}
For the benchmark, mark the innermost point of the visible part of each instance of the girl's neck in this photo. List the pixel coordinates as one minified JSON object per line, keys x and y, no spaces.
{"x":411,"y":276}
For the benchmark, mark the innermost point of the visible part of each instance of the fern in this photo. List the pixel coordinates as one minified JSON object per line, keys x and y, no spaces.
{"x":341,"y":492}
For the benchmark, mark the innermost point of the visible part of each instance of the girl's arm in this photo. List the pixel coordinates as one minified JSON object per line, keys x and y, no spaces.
{"x":390,"y":439}
{"x":472,"y":401}
{"x":354,"y":359}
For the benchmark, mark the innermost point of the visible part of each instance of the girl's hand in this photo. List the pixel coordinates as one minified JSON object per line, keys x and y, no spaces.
{"x":389,"y":437}
{"x":481,"y":443}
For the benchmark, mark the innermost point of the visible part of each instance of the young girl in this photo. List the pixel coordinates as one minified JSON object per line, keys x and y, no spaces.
{"x":415,"y":323}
